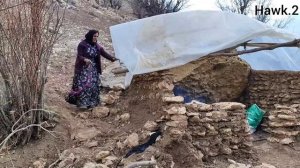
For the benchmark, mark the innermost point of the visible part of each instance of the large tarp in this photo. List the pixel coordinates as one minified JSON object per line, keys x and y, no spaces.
{"x":170,"y":40}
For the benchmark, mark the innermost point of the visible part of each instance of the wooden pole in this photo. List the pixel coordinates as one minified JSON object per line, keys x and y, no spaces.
{"x":294,"y":43}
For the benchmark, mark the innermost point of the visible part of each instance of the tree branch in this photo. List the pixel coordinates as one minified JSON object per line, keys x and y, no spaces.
{"x":294,"y":43}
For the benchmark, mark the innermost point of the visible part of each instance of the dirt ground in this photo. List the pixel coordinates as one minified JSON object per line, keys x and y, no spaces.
{"x":131,"y":101}
{"x":276,"y":154}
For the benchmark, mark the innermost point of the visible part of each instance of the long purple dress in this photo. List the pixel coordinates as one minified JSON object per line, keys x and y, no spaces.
{"x":86,"y":82}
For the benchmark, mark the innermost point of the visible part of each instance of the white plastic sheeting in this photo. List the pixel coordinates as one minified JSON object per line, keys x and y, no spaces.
{"x":170,"y":40}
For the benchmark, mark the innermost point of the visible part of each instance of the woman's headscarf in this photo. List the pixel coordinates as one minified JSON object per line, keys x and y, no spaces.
{"x":89,"y":36}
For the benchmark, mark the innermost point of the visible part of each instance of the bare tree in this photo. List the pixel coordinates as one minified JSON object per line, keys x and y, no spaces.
{"x":235,"y":6}
{"x":283,"y":23}
{"x":28,"y":31}
{"x":265,"y":4}
{"x":115,"y":4}
{"x":244,"y":7}
{"x":146,"y":8}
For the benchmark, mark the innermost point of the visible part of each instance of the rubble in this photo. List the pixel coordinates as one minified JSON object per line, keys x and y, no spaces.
{"x":100,"y":112}
{"x":109,"y":160}
{"x":125,"y":117}
{"x":111,"y":97}
{"x":265,"y":165}
{"x":91,"y":144}
{"x":151,"y":126}
{"x":86,"y":134}
{"x":41,"y":163}
{"x":66,"y":160}
{"x":132,"y":140}
{"x":114,"y":111}
{"x":101,"y":155}
{"x":283,"y":123}
{"x":84,"y":115}
{"x":108,"y":99}
{"x":235,"y":164}
{"x":94,"y":165}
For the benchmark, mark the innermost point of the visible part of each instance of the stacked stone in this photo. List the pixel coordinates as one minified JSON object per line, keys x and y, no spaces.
{"x":176,"y":116}
{"x":283,"y":124}
{"x":219,"y":128}
{"x":267,"y":88}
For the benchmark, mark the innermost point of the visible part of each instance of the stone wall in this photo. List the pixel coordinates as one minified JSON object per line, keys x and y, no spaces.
{"x":216,"y":129}
{"x":219,"y":128}
{"x":283,"y":124}
{"x":208,"y":129}
{"x":267,"y":88}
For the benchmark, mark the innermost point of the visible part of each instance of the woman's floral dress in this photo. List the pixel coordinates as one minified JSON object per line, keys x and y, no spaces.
{"x":86,"y":82}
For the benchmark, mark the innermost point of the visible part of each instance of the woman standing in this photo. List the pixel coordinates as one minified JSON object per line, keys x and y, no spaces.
{"x":86,"y":89}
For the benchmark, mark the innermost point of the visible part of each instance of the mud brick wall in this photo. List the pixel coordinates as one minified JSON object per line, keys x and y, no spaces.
{"x":267,"y":88}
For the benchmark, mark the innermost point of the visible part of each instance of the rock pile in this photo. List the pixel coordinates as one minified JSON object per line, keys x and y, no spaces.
{"x":283,"y":124}
{"x":111,"y":97}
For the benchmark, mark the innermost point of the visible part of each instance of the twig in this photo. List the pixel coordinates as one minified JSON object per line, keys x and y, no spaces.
{"x":258,"y":44}
{"x":118,"y":162}
{"x":141,"y":163}
{"x":294,"y":43}
{"x":32,"y":110}
{"x":56,"y":161}
{"x":4,"y":142}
